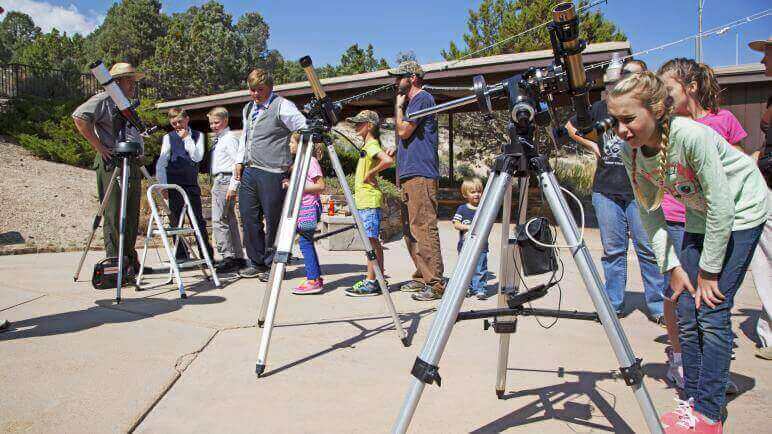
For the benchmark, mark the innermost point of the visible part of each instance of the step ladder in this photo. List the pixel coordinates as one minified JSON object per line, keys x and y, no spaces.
{"x":156,"y":228}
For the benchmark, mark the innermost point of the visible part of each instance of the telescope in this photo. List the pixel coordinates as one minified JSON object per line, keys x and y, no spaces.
{"x":126,"y":108}
{"x":321,"y":116}
{"x":531,"y":94}
{"x":530,"y":98}
{"x":321,"y":109}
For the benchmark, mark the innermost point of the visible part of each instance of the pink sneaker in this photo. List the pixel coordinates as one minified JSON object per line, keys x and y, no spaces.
{"x":309,"y":287}
{"x":684,"y":409}
{"x":687,"y":420}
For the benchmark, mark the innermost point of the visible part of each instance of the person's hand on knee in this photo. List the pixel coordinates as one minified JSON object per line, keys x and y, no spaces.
{"x":679,"y":281}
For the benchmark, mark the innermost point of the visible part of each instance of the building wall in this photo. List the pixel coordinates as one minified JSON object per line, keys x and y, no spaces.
{"x":748,"y":101}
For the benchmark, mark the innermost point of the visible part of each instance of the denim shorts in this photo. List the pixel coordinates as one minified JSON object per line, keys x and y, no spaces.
{"x":371,"y":219}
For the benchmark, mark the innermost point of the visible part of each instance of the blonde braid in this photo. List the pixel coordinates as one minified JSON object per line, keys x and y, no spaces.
{"x":663,"y":163}
{"x":647,"y":88}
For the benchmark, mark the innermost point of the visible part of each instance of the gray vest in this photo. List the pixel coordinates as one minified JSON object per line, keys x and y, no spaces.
{"x":267,"y":139}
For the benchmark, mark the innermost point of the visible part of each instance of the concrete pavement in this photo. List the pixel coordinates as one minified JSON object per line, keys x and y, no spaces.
{"x":72,"y":361}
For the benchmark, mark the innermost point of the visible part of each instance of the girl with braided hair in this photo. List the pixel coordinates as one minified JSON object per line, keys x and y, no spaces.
{"x":695,"y":93}
{"x":725,"y":198}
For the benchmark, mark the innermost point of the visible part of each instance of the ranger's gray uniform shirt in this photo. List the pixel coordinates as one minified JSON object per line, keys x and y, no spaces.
{"x":100,"y":110}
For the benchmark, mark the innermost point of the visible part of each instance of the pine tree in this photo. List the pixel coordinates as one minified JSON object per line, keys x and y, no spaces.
{"x":129,"y":32}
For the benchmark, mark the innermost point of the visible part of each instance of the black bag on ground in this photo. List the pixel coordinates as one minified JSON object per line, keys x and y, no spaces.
{"x":536,"y":259}
{"x":106,"y":273}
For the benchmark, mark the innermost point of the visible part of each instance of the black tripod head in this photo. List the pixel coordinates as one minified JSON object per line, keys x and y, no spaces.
{"x":128,"y":149}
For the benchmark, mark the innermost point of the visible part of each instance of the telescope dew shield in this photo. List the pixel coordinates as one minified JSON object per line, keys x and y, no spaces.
{"x":106,"y":80}
{"x":103,"y":76}
{"x":566,"y":26}
{"x":316,"y":85}
{"x":566,"y":29}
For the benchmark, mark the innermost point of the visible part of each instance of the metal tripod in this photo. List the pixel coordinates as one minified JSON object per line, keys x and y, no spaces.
{"x":516,"y":161}
{"x":286,"y":235}
{"x":116,"y":177}
{"x":123,"y":178}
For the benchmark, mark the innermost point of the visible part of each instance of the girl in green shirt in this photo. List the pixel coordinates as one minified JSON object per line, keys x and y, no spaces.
{"x":725,"y":199}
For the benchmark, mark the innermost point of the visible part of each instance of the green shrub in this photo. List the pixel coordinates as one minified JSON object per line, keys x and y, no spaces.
{"x":576,"y":174}
{"x":45,"y":127}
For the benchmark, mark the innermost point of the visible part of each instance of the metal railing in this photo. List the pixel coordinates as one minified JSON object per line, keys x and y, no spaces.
{"x":25,"y":80}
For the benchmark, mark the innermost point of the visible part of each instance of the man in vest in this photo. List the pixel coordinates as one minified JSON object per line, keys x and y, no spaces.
{"x":264,"y":153}
{"x":181,"y":151}
{"x":99,"y":122}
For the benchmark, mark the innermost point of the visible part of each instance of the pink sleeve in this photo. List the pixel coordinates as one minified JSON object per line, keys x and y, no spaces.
{"x":734,"y":129}
{"x":314,"y":170}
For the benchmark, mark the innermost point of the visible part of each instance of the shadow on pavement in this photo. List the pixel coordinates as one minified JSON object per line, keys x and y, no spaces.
{"x":748,"y":325}
{"x":545,"y":404}
{"x":105,"y":312}
{"x":411,"y":328}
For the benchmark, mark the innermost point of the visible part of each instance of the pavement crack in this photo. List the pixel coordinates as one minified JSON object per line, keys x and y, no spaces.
{"x":23,"y":302}
{"x":181,"y":364}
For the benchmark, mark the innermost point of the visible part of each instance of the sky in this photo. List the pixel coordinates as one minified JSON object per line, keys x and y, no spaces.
{"x":324,"y":29}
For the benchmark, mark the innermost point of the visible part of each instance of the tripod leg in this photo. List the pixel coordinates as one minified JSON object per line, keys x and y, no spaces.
{"x":425,"y":369}
{"x":125,"y":174}
{"x":630,"y":367}
{"x":284,"y":239}
{"x":95,"y":224}
{"x":144,"y":253}
{"x":369,"y":252}
{"x":285,"y":211}
{"x":510,"y":264}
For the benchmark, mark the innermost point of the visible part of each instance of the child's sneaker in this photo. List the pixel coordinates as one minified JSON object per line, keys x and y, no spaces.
{"x":675,"y":368}
{"x":670,"y":420}
{"x":685,"y":419}
{"x":309,"y":287}
{"x":482,"y":295}
{"x":364,"y":288}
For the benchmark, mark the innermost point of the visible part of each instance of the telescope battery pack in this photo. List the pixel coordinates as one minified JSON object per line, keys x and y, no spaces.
{"x":536,"y":259}
{"x":106,"y":273}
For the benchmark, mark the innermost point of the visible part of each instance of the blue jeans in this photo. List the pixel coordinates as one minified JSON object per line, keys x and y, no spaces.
{"x":479,"y":282}
{"x":308,"y":249}
{"x":310,"y":258}
{"x":618,"y":220}
{"x":706,"y":334}
{"x":675,"y":231}
{"x":260,"y":196}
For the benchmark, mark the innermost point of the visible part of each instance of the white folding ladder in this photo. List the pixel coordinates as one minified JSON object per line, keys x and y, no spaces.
{"x":155,"y":227}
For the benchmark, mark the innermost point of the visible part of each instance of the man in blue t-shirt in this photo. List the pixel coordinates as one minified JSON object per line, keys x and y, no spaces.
{"x":418,"y":171}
